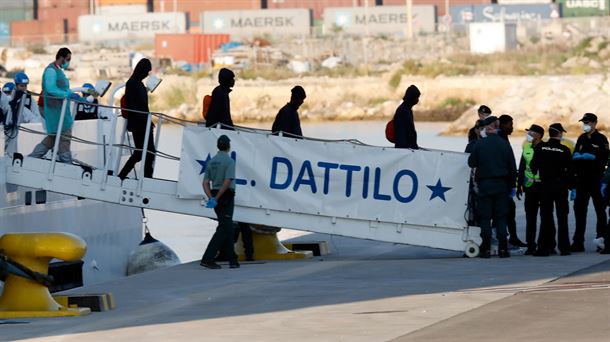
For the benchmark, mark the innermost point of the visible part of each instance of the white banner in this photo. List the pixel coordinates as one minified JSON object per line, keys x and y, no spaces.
{"x":335,"y":179}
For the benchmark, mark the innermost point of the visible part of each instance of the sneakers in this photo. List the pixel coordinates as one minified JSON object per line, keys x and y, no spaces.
{"x":211,"y":265}
{"x":485,"y":254}
{"x":577,"y":247}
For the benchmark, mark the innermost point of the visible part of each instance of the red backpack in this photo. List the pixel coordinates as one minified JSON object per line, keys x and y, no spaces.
{"x":124,"y":112}
{"x":389,"y":132}
{"x":207,"y":101}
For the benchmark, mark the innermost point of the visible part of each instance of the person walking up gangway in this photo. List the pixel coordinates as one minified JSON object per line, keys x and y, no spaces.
{"x":404,"y":125}
{"x":590,"y":158}
{"x":287,"y":119}
{"x":220,"y":107}
{"x":136,"y":105}
{"x":56,"y":88}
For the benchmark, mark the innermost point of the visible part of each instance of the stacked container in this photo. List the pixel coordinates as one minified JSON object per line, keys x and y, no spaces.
{"x":194,"y":49}
{"x":193,"y":9}
{"x":13,"y":10}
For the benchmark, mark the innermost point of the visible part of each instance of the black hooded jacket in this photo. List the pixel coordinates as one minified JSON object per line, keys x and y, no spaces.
{"x":404,"y":126}
{"x":220,"y":107}
{"x":136,"y":96}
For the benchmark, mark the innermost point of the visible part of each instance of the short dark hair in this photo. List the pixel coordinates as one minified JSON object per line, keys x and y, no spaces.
{"x":63,"y":52}
{"x":298,"y":92}
{"x":483,"y":109}
{"x":504,"y":119}
{"x":554,"y":132}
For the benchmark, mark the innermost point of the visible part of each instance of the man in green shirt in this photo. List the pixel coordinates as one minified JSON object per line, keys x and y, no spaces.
{"x":220,"y":172}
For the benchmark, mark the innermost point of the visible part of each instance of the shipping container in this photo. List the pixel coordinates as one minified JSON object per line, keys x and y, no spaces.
{"x":121,"y":2}
{"x":464,"y":14}
{"x":318,"y":6}
{"x":441,"y":5}
{"x":193,"y":8}
{"x":37,"y":32}
{"x":16,"y":14}
{"x":16,"y":4}
{"x":95,"y":28}
{"x":5,"y":33}
{"x":379,"y":20}
{"x":62,"y":3}
{"x":60,"y":13}
{"x":492,"y":37}
{"x":257,"y":22}
{"x":195,"y":49}
{"x":585,"y":8}
{"x":121,"y":9}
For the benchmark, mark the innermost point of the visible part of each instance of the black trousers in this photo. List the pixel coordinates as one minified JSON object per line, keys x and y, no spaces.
{"x":554,"y":198}
{"x":493,"y":207}
{"x":532,"y":205}
{"x":585,"y":190}
{"x":222,"y":240}
{"x":246,"y":238}
{"x":511,"y":223}
{"x":138,"y":139}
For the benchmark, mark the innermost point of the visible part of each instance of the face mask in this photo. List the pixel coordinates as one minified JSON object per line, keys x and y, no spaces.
{"x":65,"y":65}
{"x":483,"y":134}
{"x":529,"y":138}
{"x":586,"y":128}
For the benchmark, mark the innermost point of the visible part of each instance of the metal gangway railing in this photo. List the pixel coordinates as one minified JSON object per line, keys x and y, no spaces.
{"x":100,"y":182}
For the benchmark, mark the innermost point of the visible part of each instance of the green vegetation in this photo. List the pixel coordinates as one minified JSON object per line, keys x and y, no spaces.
{"x":375,"y":101}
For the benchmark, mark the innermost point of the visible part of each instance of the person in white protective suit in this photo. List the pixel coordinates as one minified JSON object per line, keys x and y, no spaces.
{"x":24,"y":109}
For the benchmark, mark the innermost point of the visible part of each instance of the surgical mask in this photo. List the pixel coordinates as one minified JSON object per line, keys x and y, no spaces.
{"x":65,"y":65}
{"x":152,"y":83}
{"x":529,"y":138}
{"x":586,"y":128}
{"x":483,"y":134}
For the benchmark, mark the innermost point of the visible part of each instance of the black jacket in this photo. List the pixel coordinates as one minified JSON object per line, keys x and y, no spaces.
{"x":591,"y":170}
{"x":220,"y":108}
{"x":496,"y":169}
{"x":136,"y":96}
{"x":553,"y":161}
{"x":287,"y":121}
{"x":404,"y":126}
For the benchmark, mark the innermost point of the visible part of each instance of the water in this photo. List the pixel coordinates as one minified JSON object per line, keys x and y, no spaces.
{"x":188,"y":235}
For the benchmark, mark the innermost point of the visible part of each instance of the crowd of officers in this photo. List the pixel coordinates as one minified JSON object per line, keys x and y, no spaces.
{"x":549,"y":171}
{"x":549,"y":174}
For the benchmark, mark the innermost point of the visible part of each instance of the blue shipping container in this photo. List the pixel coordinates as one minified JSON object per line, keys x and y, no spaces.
{"x":464,"y":14}
{"x":5,"y":33}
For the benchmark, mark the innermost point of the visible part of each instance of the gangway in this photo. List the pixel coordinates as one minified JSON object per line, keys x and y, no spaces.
{"x":333,"y":187}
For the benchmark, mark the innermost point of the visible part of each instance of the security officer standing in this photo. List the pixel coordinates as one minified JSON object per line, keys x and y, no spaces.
{"x":528,"y":182}
{"x":553,"y":161}
{"x":590,"y":158}
{"x":494,"y":159}
{"x":220,"y":171}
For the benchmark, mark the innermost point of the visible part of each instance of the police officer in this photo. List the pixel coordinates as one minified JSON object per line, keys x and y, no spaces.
{"x":506,"y":129}
{"x":528,"y":182}
{"x":287,"y":119}
{"x":220,"y":172}
{"x":553,"y":161}
{"x":483,"y":112}
{"x":590,"y":158}
{"x":495,"y":163}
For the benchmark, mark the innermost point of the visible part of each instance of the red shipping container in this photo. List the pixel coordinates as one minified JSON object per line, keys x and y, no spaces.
{"x":317,"y":6}
{"x":440,"y":4}
{"x":61,"y":13}
{"x":37,"y":32}
{"x":191,"y":48}
{"x":62,"y":3}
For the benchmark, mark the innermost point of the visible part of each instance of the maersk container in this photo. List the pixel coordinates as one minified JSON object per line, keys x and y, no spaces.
{"x":194,"y":49}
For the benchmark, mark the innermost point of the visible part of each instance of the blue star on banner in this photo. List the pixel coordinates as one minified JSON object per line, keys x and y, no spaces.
{"x":203,"y":163}
{"x":438,"y":190}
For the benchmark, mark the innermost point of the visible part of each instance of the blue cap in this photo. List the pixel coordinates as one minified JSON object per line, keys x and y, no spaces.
{"x":88,"y":86}
{"x":22,"y":78}
{"x":10,"y":86}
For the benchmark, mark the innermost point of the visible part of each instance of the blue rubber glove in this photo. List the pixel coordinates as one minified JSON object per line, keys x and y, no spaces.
{"x":512,"y":193}
{"x":577,"y":156}
{"x":588,"y":156}
{"x":572,"y":194}
{"x":211,"y":203}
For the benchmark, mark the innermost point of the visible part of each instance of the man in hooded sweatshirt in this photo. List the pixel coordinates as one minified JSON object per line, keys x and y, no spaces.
{"x":287,"y":119}
{"x":220,"y":107}
{"x":404,"y":127}
{"x":136,"y":103}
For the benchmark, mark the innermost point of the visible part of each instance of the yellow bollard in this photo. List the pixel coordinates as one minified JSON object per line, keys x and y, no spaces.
{"x":27,"y":298}
{"x":268,"y":247}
